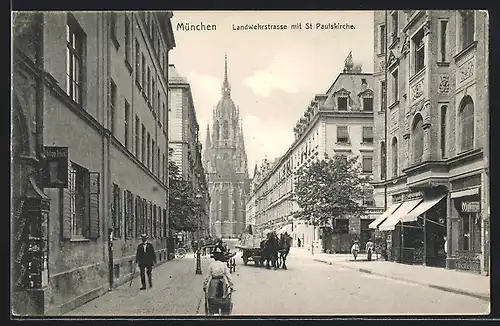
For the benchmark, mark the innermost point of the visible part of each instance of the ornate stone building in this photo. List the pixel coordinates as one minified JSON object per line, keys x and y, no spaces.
{"x":338,"y":122}
{"x":431,"y":135}
{"x":226,"y":167}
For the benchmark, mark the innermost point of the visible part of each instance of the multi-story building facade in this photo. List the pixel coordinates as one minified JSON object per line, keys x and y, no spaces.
{"x":339,"y":122}
{"x":431,"y":157}
{"x":185,"y":147}
{"x":100,"y":104}
{"x":226,"y":167}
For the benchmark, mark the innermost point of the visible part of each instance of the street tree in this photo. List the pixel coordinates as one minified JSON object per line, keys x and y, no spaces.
{"x":184,"y":210}
{"x":328,"y":189}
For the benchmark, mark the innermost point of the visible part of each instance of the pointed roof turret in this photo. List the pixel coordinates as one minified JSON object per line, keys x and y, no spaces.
{"x":208,"y":143}
{"x":226,"y":88}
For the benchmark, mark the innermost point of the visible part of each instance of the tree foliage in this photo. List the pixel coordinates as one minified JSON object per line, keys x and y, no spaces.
{"x":184,"y":210}
{"x":330,"y":188}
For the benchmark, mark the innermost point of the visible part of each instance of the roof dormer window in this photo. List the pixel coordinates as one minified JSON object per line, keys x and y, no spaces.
{"x":342,"y":103}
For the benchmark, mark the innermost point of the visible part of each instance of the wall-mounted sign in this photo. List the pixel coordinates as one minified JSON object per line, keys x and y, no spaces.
{"x":414,"y":195}
{"x":55,"y":170}
{"x":470,"y":206}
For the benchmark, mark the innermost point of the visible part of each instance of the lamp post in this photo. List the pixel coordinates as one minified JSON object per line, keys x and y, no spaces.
{"x":198,"y":251}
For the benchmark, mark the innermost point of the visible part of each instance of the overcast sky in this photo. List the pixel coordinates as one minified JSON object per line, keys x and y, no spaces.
{"x":273,"y":74}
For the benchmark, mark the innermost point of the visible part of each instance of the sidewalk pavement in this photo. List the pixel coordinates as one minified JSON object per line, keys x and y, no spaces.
{"x":455,"y":281}
{"x":176,"y":290}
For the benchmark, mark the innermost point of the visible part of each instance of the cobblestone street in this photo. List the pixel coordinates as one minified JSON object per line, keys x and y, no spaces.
{"x":308,"y":287}
{"x":176,"y":290}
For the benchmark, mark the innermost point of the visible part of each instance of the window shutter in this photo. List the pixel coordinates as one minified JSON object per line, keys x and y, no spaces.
{"x":66,"y":213}
{"x":94,"y":192}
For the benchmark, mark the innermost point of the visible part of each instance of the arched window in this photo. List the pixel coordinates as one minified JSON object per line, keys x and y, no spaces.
{"x":418,"y":139}
{"x":382,"y":161}
{"x":225,"y":130}
{"x":394,"y":150}
{"x":466,"y":124}
{"x":216,"y":131}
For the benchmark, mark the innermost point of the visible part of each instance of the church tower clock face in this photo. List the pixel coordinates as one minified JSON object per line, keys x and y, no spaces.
{"x":227,"y":170}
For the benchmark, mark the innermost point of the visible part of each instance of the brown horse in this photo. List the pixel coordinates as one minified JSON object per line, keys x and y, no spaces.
{"x":269,"y":250}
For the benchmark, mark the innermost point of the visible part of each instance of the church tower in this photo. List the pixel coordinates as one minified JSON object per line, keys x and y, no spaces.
{"x":226,"y":166}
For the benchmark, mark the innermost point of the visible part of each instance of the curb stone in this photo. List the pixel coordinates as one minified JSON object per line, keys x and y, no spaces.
{"x":438,"y":287}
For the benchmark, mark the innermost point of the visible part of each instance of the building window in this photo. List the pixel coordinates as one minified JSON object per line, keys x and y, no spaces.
{"x":443,"y":31}
{"x":443,"y":131}
{"x":137,"y":135}
{"x":164,"y":116}
{"x":75,"y":39}
{"x":153,"y":156}
{"x":368,"y":198}
{"x":127,"y":124}
{"x":395,"y":85}
{"x":418,"y":139}
{"x":342,"y":134}
{"x":143,"y":147}
{"x":153,"y":93}
{"x":342,"y":103}
{"x":383,"y":166}
{"x":383,"y":99}
{"x":467,"y":28}
{"x":163,"y":168}
{"x":157,"y":107}
{"x":466,"y":114}
{"x":419,"y":51}
{"x":127,"y":40}
{"x":112,"y":106}
{"x":149,"y":85}
{"x":394,"y":150}
{"x":79,"y":200}
{"x":395,"y":23}
{"x":114,"y":21}
{"x":368,"y":104}
{"x":382,"y":44}
{"x":137,"y":62}
{"x":143,"y":61}
{"x":148,"y":157}
{"x":225,"y":129}
{"x":158,"y":170}
{"x":367,"y":164}
{"x":116,"y":211}
{"x":368,"y":135}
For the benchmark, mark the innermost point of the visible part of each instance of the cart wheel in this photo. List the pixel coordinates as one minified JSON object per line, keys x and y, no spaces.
{"x":206,"y":308}
{"x":245,"y":260}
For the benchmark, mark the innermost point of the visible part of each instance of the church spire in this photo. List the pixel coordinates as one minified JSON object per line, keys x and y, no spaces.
{"x":208,"y":143}
{"x":226,"y":88}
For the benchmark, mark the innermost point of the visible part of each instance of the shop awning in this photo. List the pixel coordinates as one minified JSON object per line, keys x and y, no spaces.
{"x":383,"y":216}
{"x":390,"y":223}
{"x":421,"y":209}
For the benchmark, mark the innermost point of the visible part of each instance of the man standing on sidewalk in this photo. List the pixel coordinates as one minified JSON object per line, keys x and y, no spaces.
{"x":146,"y":259}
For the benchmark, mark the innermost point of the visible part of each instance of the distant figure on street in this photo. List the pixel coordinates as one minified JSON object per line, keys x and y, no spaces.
{"x":445,"y":245}
{"x":299,"y":242}
{"x":370,"y":247}
{"x":355,"y":249}
{"x":146,"y":259}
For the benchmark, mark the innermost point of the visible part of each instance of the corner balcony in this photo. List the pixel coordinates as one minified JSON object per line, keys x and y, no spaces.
{"x":425,"y":174}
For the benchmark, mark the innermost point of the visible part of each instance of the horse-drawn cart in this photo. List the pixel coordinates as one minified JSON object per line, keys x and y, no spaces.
{"x":250,"y":247}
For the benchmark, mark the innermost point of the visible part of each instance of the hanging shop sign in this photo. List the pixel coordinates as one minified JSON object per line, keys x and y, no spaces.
{"x":414,"y":195}
{"x":470,"y":207}
{"x":55,"y":170}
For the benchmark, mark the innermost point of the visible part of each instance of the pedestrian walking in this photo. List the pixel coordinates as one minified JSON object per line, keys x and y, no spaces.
{"x":355,"y":249}
{"x":370,"y":247}
{"x":145,"y":258}
{"x":299,"y":242}
{"x":218,"y":285}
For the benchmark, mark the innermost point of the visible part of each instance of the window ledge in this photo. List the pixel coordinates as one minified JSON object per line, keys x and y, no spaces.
{"x":367,"y":143}
{"x":393,"y":105}
{"x":466,"y":50}
{"x":129,"y":66}
{"x":78,"y":239}
{"x":343,"y":143}
{"x":115,"y":41}
{"x":417,"y":74}
{"x":443,"y":63}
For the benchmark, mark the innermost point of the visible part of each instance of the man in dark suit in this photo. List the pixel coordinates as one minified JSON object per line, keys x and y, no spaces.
{"x":146,"y":259}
